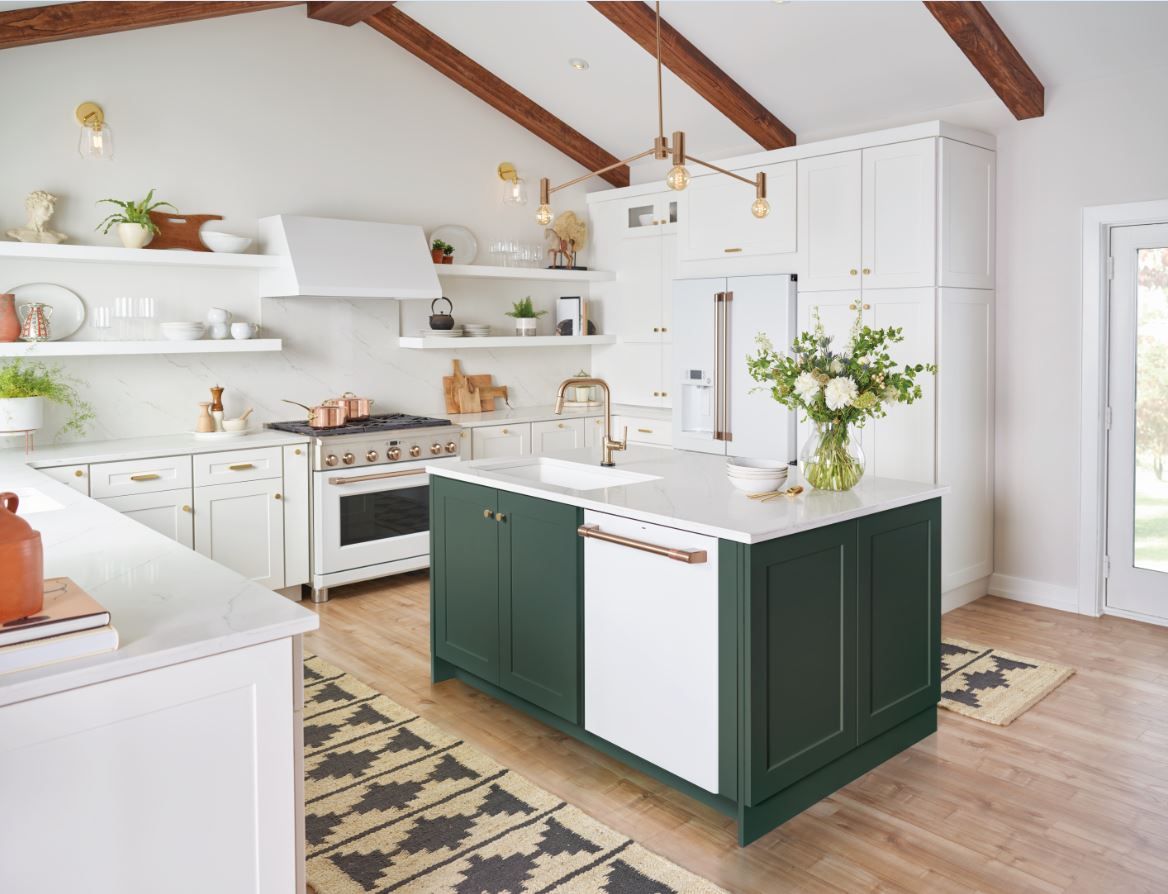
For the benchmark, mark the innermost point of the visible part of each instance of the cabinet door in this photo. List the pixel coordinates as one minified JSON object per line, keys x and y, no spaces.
{"x":900,"y":215}
{"x":168,"y":512}
{"x":966,"y":215}
{"x":297,"y":515}
{"x":900,"y":615}
{"x":539,"y":607}
{"x":594,"y":432}
{"x":241,"y":525}
{"x":632,"y":305}
{"x":555,"y":435}
{"x":829,"y":222}
{"x":800,"y":656}
{"x":648,"y":215}
{"x":464,"y":576}
{"x":903,"y":443}
{"x":499,"y":441}
{"x":632,"y":371}
{"x":77,"y":477}
{"x":718,"y":223}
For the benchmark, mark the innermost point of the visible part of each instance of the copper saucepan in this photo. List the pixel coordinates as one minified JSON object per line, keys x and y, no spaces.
{"x":355,"y":407}
{"x":323,"y":416}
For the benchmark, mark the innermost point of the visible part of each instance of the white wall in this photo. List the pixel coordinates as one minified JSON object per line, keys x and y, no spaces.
{"x":259,"y":114}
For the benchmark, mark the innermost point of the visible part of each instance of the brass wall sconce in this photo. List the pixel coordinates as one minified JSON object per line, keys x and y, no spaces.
{"x":97,"y":140}
{"x":514,"y":186}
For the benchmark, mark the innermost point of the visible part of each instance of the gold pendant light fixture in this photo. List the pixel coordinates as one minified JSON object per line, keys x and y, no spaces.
{"x":678,"y":177}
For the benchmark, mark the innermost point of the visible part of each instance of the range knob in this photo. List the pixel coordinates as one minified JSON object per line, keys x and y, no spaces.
{"x":331,"y":460}
{"x":415,"y":451}
{"x":347,"y":459}
{"x":436,"y":449}
{"x":372,"y":456}
{"x":393,"y":454}
{"x":452,"y":447}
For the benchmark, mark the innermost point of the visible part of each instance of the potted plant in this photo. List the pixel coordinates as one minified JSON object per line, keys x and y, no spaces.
{"x":526,"y":316}
{"x":135,"y":228}
{"x":437,"y":248}
{"x":839,"y":392}
{"x":447,"y":253}
{"x":24,"y":387}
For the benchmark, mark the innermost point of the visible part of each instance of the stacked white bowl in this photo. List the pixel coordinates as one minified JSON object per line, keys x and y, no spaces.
{"x":477,"y":330}
{"x":755,"y":476}
{"x":182,"y":331}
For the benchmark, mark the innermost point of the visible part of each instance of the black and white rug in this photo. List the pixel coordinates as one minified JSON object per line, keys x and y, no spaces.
{"x":395,"y":804}
{"x":991,"y":685}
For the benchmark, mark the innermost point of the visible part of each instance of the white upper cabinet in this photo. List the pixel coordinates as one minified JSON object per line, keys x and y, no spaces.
{"x":650,"y":215}
{"x":899,"y":200}
{"x":966,"y":244}
{"x":718,"y":224}
{"x":829,"y":222}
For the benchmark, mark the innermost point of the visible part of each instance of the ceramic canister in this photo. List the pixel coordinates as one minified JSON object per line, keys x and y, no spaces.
{"x":22,"y":564}
{"x":9,"y":321}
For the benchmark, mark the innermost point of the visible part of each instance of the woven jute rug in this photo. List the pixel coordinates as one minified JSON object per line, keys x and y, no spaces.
{"x":992,"y":685}
{"x":393,"y":803}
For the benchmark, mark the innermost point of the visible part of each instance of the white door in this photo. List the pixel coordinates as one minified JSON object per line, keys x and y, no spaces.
{"x":829,"y":222}
{"x":499,"y":441}
{"x":899,"y":215}
{"x":556,"y":435}
{"x":1137,"y":443}
{"x":903,"y":442}
{"x":241,"y":525}
{"x":168,"y":512}
{"x":697,"y":346}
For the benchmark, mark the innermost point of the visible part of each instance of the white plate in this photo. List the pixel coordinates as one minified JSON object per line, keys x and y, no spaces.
{"x":466,"y":246}
{"x":68,"y":308}
{"x":219,"y":435}
{"x":441,"y":333}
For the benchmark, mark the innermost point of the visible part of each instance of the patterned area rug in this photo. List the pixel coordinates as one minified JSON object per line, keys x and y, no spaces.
{"x":991,"y":685}
{"x":395,"y":804}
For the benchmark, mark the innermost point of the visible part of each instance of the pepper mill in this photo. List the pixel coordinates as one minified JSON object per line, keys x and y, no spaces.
{"x":217,"y":407}
{"x":205,"y":422}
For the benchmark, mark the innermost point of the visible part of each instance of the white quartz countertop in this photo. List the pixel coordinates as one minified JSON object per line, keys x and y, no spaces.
{"x":168,"y":603}
{"x":518,"y":415}
{"x":691,"y":492}
{"x":142,"y":448}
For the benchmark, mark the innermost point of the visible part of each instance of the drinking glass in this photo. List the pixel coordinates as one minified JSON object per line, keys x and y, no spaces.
{"x":123,"y":318}
{"x":102,"y":320}
{"x":144,"y":311}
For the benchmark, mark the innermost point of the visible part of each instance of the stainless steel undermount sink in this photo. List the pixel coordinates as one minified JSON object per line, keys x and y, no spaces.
{"x":571,"y":475}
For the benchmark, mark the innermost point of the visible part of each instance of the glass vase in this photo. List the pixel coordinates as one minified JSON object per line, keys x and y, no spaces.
{"x":832,"y":458}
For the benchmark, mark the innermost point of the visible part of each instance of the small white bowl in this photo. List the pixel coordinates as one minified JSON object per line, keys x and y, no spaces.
{"x":182,"y":331}
{"x":755,"y":473}
{"x":645,"y":219}
{"x":227,"y":243}
{"x":234,"y":424}
{"x":749,"y":462}
{"x":757,"y":485}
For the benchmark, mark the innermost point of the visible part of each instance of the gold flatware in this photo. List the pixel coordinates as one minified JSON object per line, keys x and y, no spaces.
{"x":775,"y":494}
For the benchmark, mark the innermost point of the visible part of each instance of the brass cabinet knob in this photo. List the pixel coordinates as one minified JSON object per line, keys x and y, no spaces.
{"x":278,"y":496}
{"x":656,"y":329}
{"x":297,"y":451}
{"x":560,"y":425}
{"x":79,"y":474}
{"x":500,"y":517}
{"x":867,"y":270}
{"x":664,"y":329}
{"x":665,"y":394}
{"x":503,"y":432}
{"x":853,"y":271}
{"x":488,"y":513}
{"x":867,"y":307}
{"x":186,"y":509}
{"x":852,"y":306}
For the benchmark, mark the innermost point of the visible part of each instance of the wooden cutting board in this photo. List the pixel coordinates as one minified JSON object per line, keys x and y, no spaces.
{"x":455,"y":384}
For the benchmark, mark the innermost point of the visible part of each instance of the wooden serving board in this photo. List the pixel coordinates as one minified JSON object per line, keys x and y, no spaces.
{"x":180,"y":230}
{"x":477,"y":383}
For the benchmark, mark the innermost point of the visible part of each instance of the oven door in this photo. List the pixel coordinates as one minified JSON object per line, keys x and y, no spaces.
{"x":363,"y":517}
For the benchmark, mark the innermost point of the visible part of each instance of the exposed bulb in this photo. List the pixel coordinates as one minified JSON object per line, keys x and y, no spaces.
{"x":515,"y":192}
{"x":761,"y":208}
{"x":677,"y":178}
{"x":543,"y":215}
{"x":96,"y":142}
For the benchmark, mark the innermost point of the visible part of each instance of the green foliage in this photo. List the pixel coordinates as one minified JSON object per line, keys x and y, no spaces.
{"x":133,"y":212}
{"x":439,"y":245}
{"x":447,"y":249}
{"x":525,"y":310}
{"x":31,"y":378}
{"x":1152,"y":360}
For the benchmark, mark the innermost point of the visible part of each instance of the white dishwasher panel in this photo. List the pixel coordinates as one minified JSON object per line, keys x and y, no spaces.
{"x":651,"y":647}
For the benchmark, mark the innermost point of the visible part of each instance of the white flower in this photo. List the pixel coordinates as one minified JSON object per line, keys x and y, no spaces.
{"x":764,"y":342}
{"x":806,"y":386}
{"x":840,"y":392}
{"x":836,"y":366}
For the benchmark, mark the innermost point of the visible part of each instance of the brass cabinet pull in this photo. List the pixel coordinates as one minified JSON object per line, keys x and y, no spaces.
{"x":500,"y":517}
{"x":186,"y":509}
{"x":731,"y":251}
{"x":867,"y":307}
{"x":488,"y":513}
{"x":145,"y":476}
{"x":867,"y":270}
{"x":278,"y":496}
{"x":79,"y":474}
{"x":645,"y":431}
{"x":357,"y":479}
{"x":688,"y":556}
{"x":853,"y":271}
{"x":241,"y":467}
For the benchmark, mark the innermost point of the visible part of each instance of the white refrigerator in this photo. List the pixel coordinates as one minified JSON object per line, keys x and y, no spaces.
{"x":715,"y":322}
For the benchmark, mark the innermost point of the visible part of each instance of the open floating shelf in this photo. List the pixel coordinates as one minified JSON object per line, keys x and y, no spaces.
{"x":483,"y":271}
{"x":104,"y":348}
{"x":510,"y":341}
{"x":110,"y":254}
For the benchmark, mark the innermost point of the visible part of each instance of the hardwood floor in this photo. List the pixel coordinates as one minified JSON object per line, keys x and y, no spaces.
{"x":1073,"y":796}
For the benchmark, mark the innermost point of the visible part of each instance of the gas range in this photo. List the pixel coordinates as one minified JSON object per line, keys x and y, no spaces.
{"x":379,"y":440}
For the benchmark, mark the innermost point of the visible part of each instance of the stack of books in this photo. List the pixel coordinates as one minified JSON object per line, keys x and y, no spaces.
{"x":72,"y":624}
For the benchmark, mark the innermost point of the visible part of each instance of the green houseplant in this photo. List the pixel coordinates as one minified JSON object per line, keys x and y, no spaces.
{"x":526,"y":316}
{"x":135,"y":228}
{"x":24,"y":387}
{"x":438,"y":250}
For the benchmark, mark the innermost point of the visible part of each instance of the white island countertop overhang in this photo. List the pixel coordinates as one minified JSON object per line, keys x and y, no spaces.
{"x":169,"y":603}
{"x":690,"y":491}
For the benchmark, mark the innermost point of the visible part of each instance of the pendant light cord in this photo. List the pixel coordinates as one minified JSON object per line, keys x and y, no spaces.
{"x":660,"y":109}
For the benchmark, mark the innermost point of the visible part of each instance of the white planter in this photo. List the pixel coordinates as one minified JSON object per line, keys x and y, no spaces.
{"x":22,"y":413}
{"x":525,"y":326}
{"x":134,"y":235}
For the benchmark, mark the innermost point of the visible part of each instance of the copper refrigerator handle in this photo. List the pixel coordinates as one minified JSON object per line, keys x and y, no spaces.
{"x":357,"y":479}
{"x":727,"y":299}
{"x":718,"y":296}
{"x":688,"y":556}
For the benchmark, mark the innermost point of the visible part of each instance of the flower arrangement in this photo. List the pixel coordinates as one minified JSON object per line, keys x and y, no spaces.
{"x":838,"y":391}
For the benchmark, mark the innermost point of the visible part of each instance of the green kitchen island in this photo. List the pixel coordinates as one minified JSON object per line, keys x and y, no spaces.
{"x":756,"y":656}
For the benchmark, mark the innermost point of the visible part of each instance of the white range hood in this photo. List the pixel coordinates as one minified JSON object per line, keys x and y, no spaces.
{"x":332,"y":258}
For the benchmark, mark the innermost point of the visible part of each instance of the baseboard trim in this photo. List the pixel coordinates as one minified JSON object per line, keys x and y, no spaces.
{"x":1035,"y":592}
{"x":964,"y":594}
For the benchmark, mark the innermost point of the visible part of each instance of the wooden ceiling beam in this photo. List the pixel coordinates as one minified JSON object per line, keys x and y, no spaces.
{"x":44,"y":24}
{"x":495,"y":92}
{"x":984,"y":43}
{"x":638,"y":21}
{"x":340,"y":13}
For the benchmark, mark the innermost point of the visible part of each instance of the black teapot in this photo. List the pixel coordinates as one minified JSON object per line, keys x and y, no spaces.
{"x":441,"y":321}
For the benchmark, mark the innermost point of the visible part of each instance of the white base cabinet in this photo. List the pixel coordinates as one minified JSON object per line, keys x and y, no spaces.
{"x":501,"y":441}
{"x":168,"y":512}
{"x":559,"y":434}
{"x":241,"y":525}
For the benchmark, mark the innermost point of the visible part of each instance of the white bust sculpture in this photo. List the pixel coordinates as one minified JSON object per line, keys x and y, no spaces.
{"x":40,"y":206}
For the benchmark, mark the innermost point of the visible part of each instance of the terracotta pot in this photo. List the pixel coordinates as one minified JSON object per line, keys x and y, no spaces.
{"x":448,"y":259}
{"x":436,"y":255}
{"x":22,"y":564}
{"x":9,"y":321}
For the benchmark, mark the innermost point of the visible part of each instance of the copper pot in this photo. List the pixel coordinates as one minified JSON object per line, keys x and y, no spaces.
{"x":325,"y":415}
{"x":355,"y":407}
{"x":22,"y":571}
